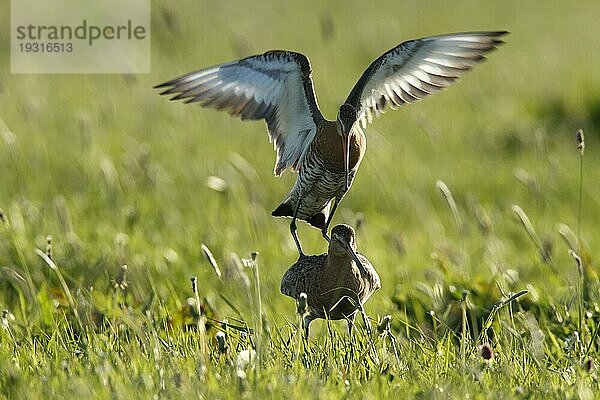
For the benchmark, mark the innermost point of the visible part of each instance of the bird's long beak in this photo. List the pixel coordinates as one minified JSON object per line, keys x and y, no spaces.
{"x":352,"y":253}
{"x":346,"y":149}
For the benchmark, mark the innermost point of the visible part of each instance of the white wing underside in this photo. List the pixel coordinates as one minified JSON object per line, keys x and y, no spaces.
{"x":275,"y":86}
{"x":418,"y":68}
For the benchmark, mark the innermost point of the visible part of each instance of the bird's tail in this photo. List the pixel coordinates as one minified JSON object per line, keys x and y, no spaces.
{"x":286,"y":210}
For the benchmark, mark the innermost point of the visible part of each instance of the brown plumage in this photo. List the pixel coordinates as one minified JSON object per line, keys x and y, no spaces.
{"x":330,"y":279}
{"x":324,"y":163}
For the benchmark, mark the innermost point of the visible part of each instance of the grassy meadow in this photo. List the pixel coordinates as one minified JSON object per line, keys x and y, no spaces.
{"x":467,"y":203}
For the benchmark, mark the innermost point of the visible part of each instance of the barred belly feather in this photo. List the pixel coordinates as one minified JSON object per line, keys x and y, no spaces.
{"x":317,"y":185}
{"x":321,"y":178}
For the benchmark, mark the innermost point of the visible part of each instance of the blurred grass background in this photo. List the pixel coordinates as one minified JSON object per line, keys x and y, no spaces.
{"x":118,"y":175}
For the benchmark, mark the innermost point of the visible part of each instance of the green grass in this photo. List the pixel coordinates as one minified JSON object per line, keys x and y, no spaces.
{"x":117,"y":175}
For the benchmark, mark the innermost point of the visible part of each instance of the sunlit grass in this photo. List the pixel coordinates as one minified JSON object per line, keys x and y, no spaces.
{"x":117,"y":176}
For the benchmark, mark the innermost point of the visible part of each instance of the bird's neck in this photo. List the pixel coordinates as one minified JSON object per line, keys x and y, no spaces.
{"x":329,"y":145}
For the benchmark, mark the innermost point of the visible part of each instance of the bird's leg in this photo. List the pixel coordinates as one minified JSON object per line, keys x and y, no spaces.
{"x":351,"y":324}
{"x":306,"y":325}
{"x":293,"y":230}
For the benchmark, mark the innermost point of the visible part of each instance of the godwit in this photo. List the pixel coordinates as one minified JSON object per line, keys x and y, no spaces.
{"x":333,"y":282}
{"x":277,"y":86}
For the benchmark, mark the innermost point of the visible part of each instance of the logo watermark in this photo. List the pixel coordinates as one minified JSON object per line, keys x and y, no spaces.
{"x":80,"y":36}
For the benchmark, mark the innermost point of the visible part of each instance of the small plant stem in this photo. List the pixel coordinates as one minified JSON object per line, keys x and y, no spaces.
{"x":259,"y":325}
{"x":579,"y":289}
{"x":579,"y":212}
{"x":201,"y":327}
{"x":463,"y":339}
{"x":593,"y":340}
{"x":447,"y":193}
{"x":579,"y":256}
{"x":301,"y":312}
{"x":65,"y":288}
{"x":581,"y":267}
{"x":23,"y":261}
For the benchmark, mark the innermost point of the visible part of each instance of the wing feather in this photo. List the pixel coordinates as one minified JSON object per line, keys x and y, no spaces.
{"x":418,"y":68}
{"x":275,"y":86}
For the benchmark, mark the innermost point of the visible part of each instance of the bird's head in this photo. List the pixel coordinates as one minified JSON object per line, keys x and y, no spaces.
{"x":343,"y":240}
{"x":346,"y":118}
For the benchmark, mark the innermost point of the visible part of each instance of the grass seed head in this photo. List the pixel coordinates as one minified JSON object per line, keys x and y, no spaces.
{"x":245,"y":360}
{"x":441,"y":185}
{"x":484,"y":220}
{"x":7,"y":318}
{"x":194,"y":280}
{"x":580,"y":141}
{"x":211,"y":260}
{"x":464,"y":295}
{"x":568,"y":236}
{"x":49,"y":246}
{"x":399,"y":243}
{"x":302,"y":304}
{"x":235,"y":270}
{"x":384,"y":324}
{"x":486,"y":352}
{"x":543,"y":248}
{"x":121,"y":279}
{"x":217,"y":184}
{"x":221,"y":342}
{"x":577,"y":260}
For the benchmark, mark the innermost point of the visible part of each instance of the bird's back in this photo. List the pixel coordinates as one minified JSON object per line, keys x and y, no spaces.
{"x":303,"y":276}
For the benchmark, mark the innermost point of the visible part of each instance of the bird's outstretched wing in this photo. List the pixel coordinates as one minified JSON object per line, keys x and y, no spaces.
{"x":275,"y":86}
{"x":418,"y":68}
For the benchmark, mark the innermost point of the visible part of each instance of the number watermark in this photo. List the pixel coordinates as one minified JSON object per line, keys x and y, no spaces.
{"x":80,"y":36}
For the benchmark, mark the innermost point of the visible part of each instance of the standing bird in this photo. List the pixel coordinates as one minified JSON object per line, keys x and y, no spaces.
{"x":277,"y":86}
{"x":333,"y":282}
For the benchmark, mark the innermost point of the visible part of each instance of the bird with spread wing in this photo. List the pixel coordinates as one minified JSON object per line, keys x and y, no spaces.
{"x":277,"y":86}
